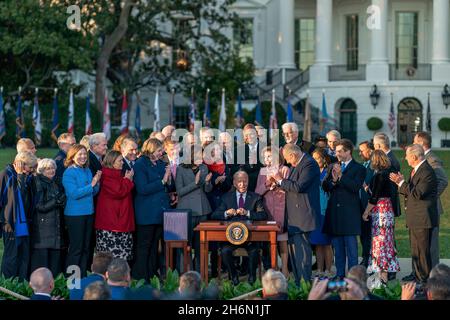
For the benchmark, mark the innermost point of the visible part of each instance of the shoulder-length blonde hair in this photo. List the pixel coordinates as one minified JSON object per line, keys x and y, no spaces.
{"x":379,"y":160}
{"x":150,"y":146}
{"x":72,"y":153}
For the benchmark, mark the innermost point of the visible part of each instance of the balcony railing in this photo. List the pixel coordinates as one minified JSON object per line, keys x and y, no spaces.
{"x":342,"y":73}
{"x":408,"y":72}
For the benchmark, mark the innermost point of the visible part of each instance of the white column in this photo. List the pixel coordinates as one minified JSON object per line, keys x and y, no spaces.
{"x":286,"y":34}
{"x":324,"y":31}
{"x":440,"y":58}
{"x":378,"y":68}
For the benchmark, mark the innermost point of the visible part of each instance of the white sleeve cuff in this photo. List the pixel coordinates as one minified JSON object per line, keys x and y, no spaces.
{"x":401,"y":183}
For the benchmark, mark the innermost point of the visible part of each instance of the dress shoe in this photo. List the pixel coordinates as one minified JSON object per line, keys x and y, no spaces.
{"x":410,"y":277}
{"x":251,"y":279}
{"x":364,"y":262}
{"x":235,"y":280}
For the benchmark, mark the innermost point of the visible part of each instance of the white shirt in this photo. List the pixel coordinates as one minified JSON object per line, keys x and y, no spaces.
{"x":253,"y":148}
{"x":42,"y":294}
{"x":347,"y":162}
{"x":238,"y":196}
{"x":128,"y":162}
{"x":427,"y":151}
{"x":415,"y":171}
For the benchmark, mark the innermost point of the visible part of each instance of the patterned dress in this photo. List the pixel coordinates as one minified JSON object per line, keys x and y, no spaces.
{"x":384,"y":254}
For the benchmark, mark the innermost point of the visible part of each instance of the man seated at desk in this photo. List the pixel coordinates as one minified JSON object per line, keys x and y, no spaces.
{"x":240,"y":205}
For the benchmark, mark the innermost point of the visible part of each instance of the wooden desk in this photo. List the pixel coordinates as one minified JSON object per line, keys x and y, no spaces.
{"x":215,"y":231}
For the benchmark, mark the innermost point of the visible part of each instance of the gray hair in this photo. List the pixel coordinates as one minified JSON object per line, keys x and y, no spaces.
{"x":190,"y":283}
{"x":98,"y":290}
{"x":334,"y":133}
{"x":45,"y":164}
{"x":95,"y":138}
{"x":381,"y":139}
{"x":41,"y":280}
{"x":239,"y":173}
{"x":416,"y":150}
{"x":288,"y":125}
{"x":291,"y":148}
{"x":274,"y":282}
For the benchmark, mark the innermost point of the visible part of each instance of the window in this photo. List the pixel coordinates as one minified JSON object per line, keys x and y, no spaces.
{"x":181,"y":116}
{"x":243,"y":37}
{"x":304,"y":43}
{"x":352,"y":41}
{"x":406,"y":39}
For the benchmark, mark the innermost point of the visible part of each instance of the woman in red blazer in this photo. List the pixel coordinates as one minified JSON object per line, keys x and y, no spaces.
{"x":114,"y":214}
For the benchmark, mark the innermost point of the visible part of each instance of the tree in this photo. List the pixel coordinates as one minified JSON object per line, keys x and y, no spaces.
{"x":35,"y":43}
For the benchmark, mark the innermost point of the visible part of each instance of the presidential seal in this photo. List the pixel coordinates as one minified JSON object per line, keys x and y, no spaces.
{"x":237,"y":233}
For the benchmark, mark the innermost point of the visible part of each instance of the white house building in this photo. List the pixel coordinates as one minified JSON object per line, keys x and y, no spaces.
{"x":345,"y":47}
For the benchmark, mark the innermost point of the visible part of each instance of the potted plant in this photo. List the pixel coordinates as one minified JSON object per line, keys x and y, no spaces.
{"x":374,"y":123}
{"x":444,"y":125}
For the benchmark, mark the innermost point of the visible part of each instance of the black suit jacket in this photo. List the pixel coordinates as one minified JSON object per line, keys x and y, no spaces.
{"x":125,"y":167}
{"x":94,"y":164}
{"x":395,"y":165}
{"x":39,"y":297}
{"x":343,"y":214}
{"x":253,"y":203}
{"x":421,"y":198}
{"x":251,"y":169}
{"x":59,"y":160}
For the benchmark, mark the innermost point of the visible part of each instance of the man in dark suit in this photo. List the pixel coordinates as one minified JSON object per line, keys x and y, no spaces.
{"x":424,"y":139}
{"x":248,"y":156}
{"x":290,"y":133}
{"x":365,"y":152}
{"x":65,"y":141}
{"x":240,"y":205}
{"x":129,"y":150}
{"x":302,"y":189}
{"x":343,"y":214}
{"x":421,"y":208}
{"x":42,"y":283}
{"x":98,"y":145}
{"x":381,"y":142}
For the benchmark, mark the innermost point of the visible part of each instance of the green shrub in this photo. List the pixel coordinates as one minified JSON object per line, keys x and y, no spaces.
{"x":444,"y":124}
{"x":374,"y":123}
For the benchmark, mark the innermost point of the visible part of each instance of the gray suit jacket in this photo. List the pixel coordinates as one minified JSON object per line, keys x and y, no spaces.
{"x":442,"y":179}
{"x":190,"y":195}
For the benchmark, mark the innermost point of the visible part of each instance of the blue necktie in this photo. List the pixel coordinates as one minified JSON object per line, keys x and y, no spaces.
{"x":342,"y":166}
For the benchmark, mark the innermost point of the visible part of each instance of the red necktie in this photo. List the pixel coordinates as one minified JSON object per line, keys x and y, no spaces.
{"x":413,"y":172}
{"x":241,"y":201}
{"x":174,"y":170}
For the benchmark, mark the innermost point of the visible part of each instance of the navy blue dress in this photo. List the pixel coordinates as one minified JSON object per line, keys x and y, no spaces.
{"x":317,"y":237}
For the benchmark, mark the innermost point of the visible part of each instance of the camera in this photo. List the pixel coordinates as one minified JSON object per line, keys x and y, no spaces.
{"x":337,"y":286}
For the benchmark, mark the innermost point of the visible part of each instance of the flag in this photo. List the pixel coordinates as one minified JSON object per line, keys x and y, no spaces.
{"x":239,"y":116}
{"x":308,"y":123}
{"x":273,"y":124}
{"x":289,"y":115}
{"x":88,"y":126}
{"x":258,"y":113}
{"x":171,"y":107}
{"x":20,"y":127}
{"x":223,"y":114}
{"x":124,"y":118}
{"x":156,"y":121}
{"x":207,"y":113}
{"x":137,"y":120}
{"x":192,"y":111}
{"x":428,"y":125}
{"x":71,"y":113}
{"x":37,"y":120}
{"x":55,"y":121}
{"x":391,"y":120}
{"x":324,"y":118}
{"x":106,"y":117}
{"x":2,"y":116}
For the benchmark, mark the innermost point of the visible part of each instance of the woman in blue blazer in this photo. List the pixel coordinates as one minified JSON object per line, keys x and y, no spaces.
{"x":151,"y":177}
{"x":80,"y":188}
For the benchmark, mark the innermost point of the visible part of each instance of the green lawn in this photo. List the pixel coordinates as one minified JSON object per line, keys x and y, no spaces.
{"x":401,"y":233}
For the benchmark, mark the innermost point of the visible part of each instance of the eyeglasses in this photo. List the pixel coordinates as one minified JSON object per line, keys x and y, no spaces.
{"x":285,"y":134}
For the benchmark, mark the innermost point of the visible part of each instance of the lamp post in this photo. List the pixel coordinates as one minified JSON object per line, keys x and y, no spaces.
{"x":374,"y":96}
{"x":446,"y":96}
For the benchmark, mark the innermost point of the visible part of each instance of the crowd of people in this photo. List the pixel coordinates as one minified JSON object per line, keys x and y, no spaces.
{"x":103,"y":209}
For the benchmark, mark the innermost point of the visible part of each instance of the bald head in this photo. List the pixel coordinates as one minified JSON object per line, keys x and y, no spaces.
{"x":41,"y":281}
{"x":26,"y":145}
